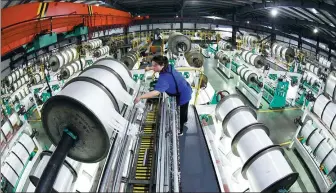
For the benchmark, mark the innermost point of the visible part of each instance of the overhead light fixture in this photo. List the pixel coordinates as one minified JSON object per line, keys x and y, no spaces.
{"x":176,"y":16}
{"x":248,"y":22}
{"x":138,"y":15}
{"x":274,"y":12}
{"x":314,"y":10}
{"x":315,"y":30}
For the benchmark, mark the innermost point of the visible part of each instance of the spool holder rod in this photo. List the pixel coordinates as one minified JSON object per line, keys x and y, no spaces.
{"x":55,"y":162}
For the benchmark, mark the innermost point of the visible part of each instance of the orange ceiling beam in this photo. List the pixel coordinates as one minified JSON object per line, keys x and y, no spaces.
{"x":22,"y":22}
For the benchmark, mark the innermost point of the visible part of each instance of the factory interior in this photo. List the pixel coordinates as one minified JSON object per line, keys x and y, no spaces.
{"x":261,"y":114}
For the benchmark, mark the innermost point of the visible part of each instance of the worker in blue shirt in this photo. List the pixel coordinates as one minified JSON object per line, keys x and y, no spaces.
{"x":171,"y":82}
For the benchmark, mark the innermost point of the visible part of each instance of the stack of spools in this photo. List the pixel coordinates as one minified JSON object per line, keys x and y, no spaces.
{"x":250,"y":40}
{"x":310,"y":77}
{"x":194,"y":59}
{"x":325,"y":109}
{"x":255,"y":60}
{"x":130,"y":59}
{"x":44,"y":58}
{"x":63,"y":182}
{"x":101,"y":51}
{"x":62,"y":58}
{"x":312,"y":68}
{"x":36,"y":78}
{"x":93,"y":44}
{"x":20,"y":82}
{"x":222,"y":57}
{"x":15,"y":76}
{"x":264,"y":166}
{"x":248,"y":75}
{"x":95,"y":99}
{"x":223,"y":45}
{"x":14,"y":162}
{"x":179,"y":43}
{"x":72,"y":68}
{"x":324,"y":62}
{"x":285,"y":53}
{"x":323,"y":151}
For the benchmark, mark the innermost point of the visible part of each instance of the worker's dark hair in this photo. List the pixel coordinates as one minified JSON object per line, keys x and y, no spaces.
{"x":162,"y":61}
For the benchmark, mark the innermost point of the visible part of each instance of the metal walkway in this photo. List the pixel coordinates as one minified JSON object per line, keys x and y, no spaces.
{"x":197,"y":171}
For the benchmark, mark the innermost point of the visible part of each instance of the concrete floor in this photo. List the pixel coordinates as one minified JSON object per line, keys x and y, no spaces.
{"x":280,"y":124}
{"x":197,"y":171}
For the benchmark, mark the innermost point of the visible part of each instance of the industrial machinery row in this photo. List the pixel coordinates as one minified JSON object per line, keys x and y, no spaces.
{"x":99,"y":140}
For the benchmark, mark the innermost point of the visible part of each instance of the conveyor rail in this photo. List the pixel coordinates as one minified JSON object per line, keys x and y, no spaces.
{"x":142,"y":179}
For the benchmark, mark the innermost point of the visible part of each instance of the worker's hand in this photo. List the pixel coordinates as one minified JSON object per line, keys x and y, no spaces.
{"x":148,"y":68}
{"x":136,"y":100}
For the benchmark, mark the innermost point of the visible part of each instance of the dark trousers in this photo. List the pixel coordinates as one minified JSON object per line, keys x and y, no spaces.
{"x":183,"y":115}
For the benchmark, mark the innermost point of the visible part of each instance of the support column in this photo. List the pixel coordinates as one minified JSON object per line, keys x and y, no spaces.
{"x":273,"y":35}
{"x":147,"y":30}
{"x":329,"y":52}
{"x":140,"y":32}
{"x":181,"y":23}
{"x":171,"y":26}
{"x":300,"y":41}
{"x":195,"y":26}
{"x":234,"y":32}
{"x":125,"y":34}
{"x":317,"y":46}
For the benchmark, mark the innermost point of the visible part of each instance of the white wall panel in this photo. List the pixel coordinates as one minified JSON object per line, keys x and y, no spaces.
{"x":201,"y":25}
{"x":189,"y":26}
{"x":4,"y":65}
{"x":134,"y":28}
{"x":178,"y":26}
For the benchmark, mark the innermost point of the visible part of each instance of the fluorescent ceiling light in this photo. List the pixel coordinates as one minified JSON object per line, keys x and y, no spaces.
{"x":315,"y":30}
{"x":213,"y":17}
{"x":274,"y":12}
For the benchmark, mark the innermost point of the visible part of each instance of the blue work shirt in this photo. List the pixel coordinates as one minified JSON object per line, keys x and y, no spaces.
{"x":166,"y":84}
